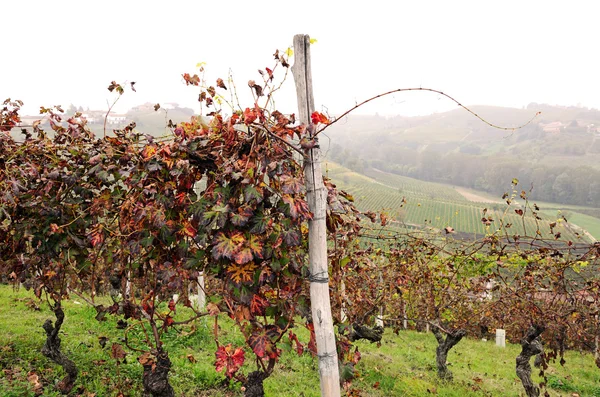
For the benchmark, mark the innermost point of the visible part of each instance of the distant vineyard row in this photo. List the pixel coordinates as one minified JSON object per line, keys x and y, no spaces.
{"x":422,"y":203}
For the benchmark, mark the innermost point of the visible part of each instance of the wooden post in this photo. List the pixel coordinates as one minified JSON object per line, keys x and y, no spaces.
{"x":201,"y":296}
{"x":379,"y":318}
{"x":500,"y":337}
{"x":316,"y":196}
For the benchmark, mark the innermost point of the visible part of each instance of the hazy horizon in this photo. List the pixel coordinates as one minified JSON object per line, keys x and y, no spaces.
{"x":508,"y":54}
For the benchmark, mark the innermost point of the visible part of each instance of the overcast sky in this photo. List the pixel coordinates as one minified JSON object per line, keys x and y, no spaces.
{"x":506,"y":53}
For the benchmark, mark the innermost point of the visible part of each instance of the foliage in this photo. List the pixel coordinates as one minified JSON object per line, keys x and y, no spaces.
{"x":140,"y":218}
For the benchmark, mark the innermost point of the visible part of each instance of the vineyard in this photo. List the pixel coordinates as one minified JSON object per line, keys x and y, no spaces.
{"x":415,"y":202}
{"x":218,"y":260}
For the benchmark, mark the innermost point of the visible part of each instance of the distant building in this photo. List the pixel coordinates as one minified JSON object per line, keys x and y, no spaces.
{"x":114,"y":118}
{"x":554,"y":127}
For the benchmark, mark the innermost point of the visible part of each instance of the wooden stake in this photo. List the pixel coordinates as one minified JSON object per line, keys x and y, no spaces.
{"x":316,"y":196}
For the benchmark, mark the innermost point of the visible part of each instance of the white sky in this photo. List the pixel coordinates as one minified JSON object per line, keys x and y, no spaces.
{"x":506,"y":53}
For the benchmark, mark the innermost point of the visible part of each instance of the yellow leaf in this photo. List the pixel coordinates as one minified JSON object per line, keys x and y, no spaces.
{"x":313,"y":41}
{"x":200,"y":64}
{"x":241,"y":273}
{"x":289,"y":52}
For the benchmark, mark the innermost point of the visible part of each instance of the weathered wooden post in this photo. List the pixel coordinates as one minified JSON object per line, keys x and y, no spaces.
{"x":500,"y":337}
{"x":316,"y":196}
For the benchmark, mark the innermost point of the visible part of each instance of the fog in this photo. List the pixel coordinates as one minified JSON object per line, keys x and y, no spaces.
{"x":506,"y":53}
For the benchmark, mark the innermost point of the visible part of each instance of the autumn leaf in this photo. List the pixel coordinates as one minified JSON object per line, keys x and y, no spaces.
{"x":54,"y":228}
{"x":253,"y":194}
{"x":257,"y":88}
{"x":297,"y":206}
{"x":96,"y":235}
{"x":241,"y":217}
{"x":356,"y":356}
{"x":290,"y":184}
{"x":262,"y":344}
{"x":221,"y":84}
{"x":191,"y":80}
{"x":227,"y":247}
{"x":346,"y":195}
{"x":168,"y":322}
{"x":188,"y":229}
{"x":146,"y":360}
{"x":241,"y":273}
{"x":242,"y":256}
{"x":148,"y":151}
{"x":312,"y":343}
{"x":172,"y":305}
{"x":117,"y":352}
{"x":212,"y":309}
{"x":258,"y":304}
{"x":191,"y":358}
{"x":34,"y":380}
{"x":371,"y":215}
{"x":294,"y":340}
{"x":255,"y":245}
{"x":229,"y":359}
{"x":383,"y":218}
{"x":270,"y":73}
{"x":307,"y":143}
{"x":318,"y":117}
{"x":249,"y":116}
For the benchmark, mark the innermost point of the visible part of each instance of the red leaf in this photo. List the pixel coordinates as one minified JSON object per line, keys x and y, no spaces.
{"x":298,"y":207}
{"x":258,"y":305}
{"x":249,"y":116}
{"x":312,"y":343}
{"x":384,"y":219}
{"x":229,"y":359}
{"x":168,"y":321}
{"x":243,"y":256}
{"x":188,"y":230}
{"x":96,"y":236}
{"x":262,"y":344}
{"x":172,"y":305}
{"x":318,"y":117}
{"x":294,"y":340}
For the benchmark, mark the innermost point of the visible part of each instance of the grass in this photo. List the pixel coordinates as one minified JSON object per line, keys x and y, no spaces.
{"x":402,"y":366}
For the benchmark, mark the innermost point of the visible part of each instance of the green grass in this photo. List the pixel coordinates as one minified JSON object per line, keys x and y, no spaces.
{"x":403,"y":365}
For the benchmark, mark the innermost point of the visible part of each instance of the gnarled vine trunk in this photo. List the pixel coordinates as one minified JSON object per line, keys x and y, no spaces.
{"x":530,"y":346}
{"x":51,"y":350}
{"x":363,"y":332}
{"x":254,"y":384}
{"x":444,"y":346}
{"x":156,"y":376}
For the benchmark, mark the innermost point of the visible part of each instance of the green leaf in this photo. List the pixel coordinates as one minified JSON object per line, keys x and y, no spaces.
{"x":252,"y":193}
{"x":260,"y":223}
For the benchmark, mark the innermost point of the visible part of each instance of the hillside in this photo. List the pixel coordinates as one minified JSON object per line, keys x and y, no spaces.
{"x":556,"y":156}
{"x":415,"y":203}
